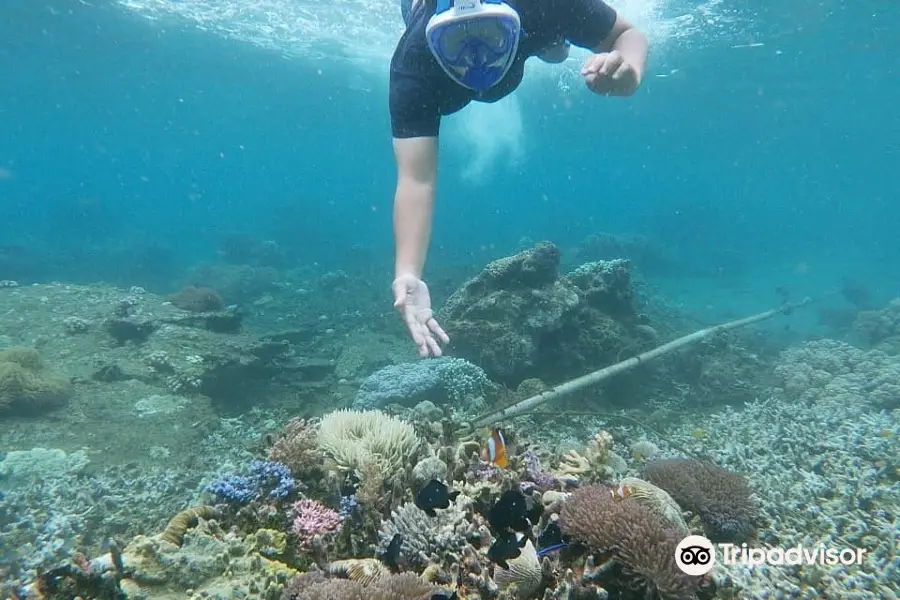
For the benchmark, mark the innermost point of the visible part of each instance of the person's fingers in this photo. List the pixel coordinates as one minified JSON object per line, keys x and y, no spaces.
{"x":436,"y":329}
{"x":400,"y":293}
{"x":415,"y":328}
{"x":612,"y":62}
{"x":621,"y":72}
{"x":593,"y":63}
{"x":433,"y":346}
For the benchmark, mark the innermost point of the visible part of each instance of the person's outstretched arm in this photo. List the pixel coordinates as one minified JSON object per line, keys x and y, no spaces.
{"x":415,"y":124}
{"x":414,"y":202}
{"x":413,"y":213}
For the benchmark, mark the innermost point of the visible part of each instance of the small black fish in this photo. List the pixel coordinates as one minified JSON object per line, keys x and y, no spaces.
{"x":550,"y":536}
{"x":349,"y":485}
{"x":392,"y":553}
{"x":435,"y":495}
{"x":533,"y":510}
{"x":509,"y":513}
{"x":444,"y":596}
{"x":505,"y":547}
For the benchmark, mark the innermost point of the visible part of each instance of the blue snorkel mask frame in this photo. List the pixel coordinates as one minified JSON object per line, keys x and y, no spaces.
{"x":474,"y":41}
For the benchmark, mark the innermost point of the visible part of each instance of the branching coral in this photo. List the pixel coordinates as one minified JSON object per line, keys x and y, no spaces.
{"x":312,"y":518}
{"x":597,"y":463}
{"x":638,"y":537}
{"x":353,"y":439}
{"x":720,"y":498}
{"x":424,"y":537}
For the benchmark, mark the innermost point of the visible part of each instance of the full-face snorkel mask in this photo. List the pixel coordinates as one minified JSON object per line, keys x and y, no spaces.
{"x":474,"y":41}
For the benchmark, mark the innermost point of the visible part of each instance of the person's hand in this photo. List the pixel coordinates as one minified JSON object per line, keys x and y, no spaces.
{"x":609,"y":74}
{"x":412,"y":299}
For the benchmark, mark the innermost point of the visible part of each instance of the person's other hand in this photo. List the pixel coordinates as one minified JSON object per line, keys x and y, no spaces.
{"x":609,"y":74}
{"x":412,"y":300}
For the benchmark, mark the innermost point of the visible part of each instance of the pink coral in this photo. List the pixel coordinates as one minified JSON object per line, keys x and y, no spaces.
{"x":312,"y":518}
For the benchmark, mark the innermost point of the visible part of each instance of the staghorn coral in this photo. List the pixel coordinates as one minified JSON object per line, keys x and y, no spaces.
{"x":26,"y":386}
{"x":828,"y":372}
{"x":638,"y":538}
{"x":719,"y":497}
{"x":180,"y":523}
{"x":443,"y":535}
{"x":318,"y":586}
{"x":354,"y":438}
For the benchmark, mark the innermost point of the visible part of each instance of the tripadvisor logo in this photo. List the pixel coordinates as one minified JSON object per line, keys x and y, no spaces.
{"x":696,"y":555}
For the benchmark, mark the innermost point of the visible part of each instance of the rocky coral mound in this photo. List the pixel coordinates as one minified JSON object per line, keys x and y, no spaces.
{"x":521,"y":318}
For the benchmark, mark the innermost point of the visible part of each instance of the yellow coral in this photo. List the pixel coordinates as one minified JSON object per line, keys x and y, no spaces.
{"x":571,"y":464}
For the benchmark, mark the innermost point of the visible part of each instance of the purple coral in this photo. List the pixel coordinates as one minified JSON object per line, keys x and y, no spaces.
{"x":533,"y":469}
{"x":313,"y":518}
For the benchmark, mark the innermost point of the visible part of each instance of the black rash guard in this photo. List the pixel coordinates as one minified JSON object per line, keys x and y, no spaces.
{"x":420,"y":91}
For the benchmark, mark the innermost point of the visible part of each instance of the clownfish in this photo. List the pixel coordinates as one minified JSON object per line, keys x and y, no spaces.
{"x":494,"y":450}
{"x":621,"y":492}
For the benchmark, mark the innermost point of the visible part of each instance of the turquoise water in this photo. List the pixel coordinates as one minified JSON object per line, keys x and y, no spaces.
{"x":767,"y":133}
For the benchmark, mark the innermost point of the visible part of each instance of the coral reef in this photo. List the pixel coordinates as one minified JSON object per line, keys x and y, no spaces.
{"x":355,"y":439}
{"x":833,"y":370}
{"x":880,"y":328}
{"x":309,"y":506}
{"x":520,"y":318}
{"x":637,"y":536}
{"x":428,"y":540}
{"x":443,"y":381}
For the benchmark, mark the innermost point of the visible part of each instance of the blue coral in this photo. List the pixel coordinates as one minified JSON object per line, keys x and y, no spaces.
{"x":409,"y":383}
{"x":266,"y":477}
{"x":235,"y":489}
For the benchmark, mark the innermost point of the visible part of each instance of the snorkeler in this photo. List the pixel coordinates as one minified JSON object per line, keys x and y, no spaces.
{"x":462,"y":50}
